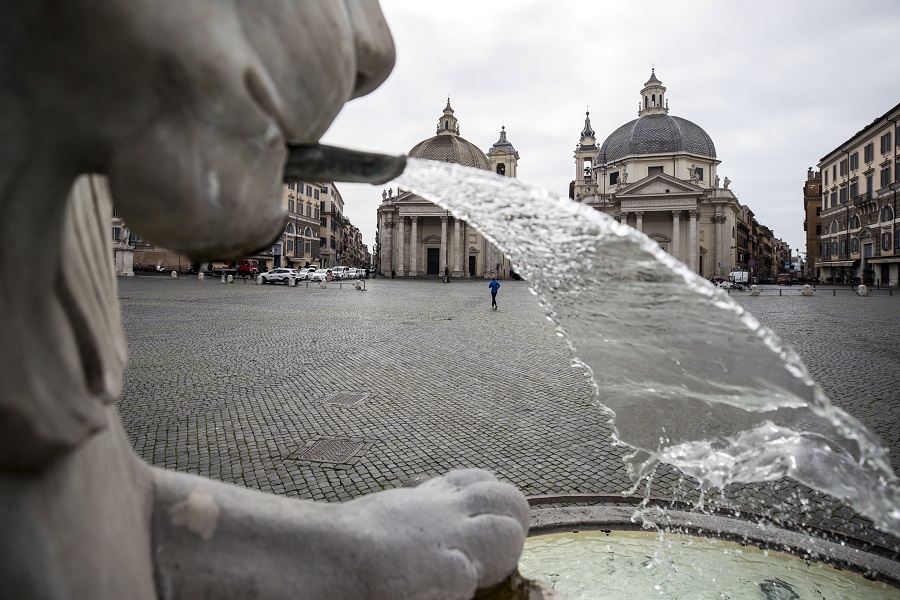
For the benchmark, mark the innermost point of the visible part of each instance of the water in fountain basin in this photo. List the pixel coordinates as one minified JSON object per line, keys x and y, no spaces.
{"x":692,"y":379}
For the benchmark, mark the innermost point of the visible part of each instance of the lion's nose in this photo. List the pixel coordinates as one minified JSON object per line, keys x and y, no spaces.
{"x":375,"y":52}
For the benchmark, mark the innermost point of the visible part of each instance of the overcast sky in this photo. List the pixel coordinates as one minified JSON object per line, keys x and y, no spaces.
{"x":776,"y":84}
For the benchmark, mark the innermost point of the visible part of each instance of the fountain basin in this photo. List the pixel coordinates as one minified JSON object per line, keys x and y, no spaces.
{"x":597,"y":552}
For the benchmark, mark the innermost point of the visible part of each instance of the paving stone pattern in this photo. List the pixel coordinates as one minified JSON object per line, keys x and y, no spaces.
{"x":328,"y":394}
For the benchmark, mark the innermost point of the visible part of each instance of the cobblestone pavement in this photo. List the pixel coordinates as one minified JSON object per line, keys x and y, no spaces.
{"x":328,"y":394}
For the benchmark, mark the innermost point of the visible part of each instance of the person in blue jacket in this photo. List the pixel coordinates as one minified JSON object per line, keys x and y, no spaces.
{"x":494,"y":285}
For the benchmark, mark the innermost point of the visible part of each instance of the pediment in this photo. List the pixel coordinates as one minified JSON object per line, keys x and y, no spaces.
{"x":659,"y":184}
{"x":431,"y":239}
{"x":864,"y":232}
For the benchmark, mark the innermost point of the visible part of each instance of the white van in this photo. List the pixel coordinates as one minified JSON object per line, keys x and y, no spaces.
{"x":739,"y":276}
{"x":340,"y":272}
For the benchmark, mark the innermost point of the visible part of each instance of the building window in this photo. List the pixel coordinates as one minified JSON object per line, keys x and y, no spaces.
{"x":843,"y":196}
{"x":290,"y":205}
{"x":115,"y":232}
{"x":887,"y":214}
{"x":854,"y":245}
{"x":324,"y":222}
{"x":307,"y":247}
{"x":869,"y":152}
{"x":826,"y":177}
{"x":834,"y":172}
{"x":897,"y":238}
{"x":290,"y":245}
{"x":614,"y":178}
{"x":886,"y":143}
{"x":324,"y":189}
{"x":317,"y":213}
{"x":886,"y":240}
{"x":843,"y":247}
{"x":843,"y":167}
{"x":501,"y":169}
{"x":290,"y":228}
{"x":854,"y":161}
{"x":654,"y":170}
{"x":854,"y":222}
{"x":886,"y":176}
{"x":870,"y":187}
{"x":853,"y":189}
{"x":316,"y":195}
{"x":834,"y":227}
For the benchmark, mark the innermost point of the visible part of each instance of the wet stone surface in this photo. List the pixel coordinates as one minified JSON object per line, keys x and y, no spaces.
{"x":236,"y":381}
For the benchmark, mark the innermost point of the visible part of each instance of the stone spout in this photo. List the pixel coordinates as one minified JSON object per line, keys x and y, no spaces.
{"x":318,"y":162}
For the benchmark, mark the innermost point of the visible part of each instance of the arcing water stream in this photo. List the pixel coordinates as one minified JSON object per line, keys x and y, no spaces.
{"x":734,"y":408}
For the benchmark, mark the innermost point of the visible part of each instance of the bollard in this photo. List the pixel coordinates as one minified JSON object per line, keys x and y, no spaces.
{"x":806,"y":291}
{"x":224,"y":280}
{"x":174,"y":274}
{"x":259,"y":280}
{"x":200,"y":276}
{"x":357,"y":285}
{"x":323,"y":284}
{"x":231,"y":279}
{"x":292,"y":282}
{"x":754,"y":290}
{"x":862,"y":290}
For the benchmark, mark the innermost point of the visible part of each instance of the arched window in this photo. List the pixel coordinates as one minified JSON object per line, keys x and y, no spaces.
{"x":646,"y":101}
{"x":834,"y":227}
{"x":854,"y":222}
{"x":501,"y":169}
{"x":290,"y":228}
{"x":653,"y":99}
{"x":887,"y":214}
{"x":308,"y":232}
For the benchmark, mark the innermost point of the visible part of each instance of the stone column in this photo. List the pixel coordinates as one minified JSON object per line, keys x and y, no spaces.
{"x":414,"y":247}
{"x":401,"y":247}
{"x":387,"y":254}
{"x":639,"y":222}
{"x":720,"y":267}
{"x":443,"y":258}
{"x":456,"y":248}
{"x":623,"y":217}
{"x":692,"y":239}
{"x":676,"y":234}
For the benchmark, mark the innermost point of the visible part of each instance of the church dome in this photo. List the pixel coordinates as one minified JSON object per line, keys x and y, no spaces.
{"x":655,"y":131}
{"x":657,"y":134}
{"x":449,"y":146}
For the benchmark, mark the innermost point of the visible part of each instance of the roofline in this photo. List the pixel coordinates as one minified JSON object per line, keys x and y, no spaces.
{"x":861,"y":132}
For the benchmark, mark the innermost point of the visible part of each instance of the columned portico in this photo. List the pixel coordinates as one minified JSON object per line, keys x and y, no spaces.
{"x":639,"y":220}
{"x":414,"y":246}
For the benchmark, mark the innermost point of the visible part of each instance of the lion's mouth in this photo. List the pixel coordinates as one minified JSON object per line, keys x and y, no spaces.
{"x":317,"y":162}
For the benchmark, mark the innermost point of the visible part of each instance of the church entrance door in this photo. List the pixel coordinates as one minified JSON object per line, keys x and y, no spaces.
{"x":471,"y":266}
{"x":434,"y":261}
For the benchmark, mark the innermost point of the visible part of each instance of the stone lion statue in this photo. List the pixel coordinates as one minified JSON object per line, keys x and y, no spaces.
{"x":185,"y":112}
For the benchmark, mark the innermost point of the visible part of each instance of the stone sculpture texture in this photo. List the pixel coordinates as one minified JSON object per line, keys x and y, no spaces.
{"x":184,"y":110}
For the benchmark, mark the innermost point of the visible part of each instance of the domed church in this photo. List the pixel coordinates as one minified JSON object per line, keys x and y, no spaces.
{"x":657,"y":173}
{"x":417,"y":238}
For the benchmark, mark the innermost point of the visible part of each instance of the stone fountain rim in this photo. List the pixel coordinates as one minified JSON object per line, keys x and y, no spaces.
{"x":587,"y":512}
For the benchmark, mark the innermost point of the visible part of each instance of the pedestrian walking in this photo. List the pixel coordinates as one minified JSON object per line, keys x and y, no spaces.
{"x":494,"y":285}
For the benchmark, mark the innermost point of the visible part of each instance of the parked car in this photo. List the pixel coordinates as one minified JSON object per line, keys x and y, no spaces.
{"x":340,"y":272}
{"x":785,"y":279}
{"x":352,"y":273}
{"x":304,"y":273}
{"x":279,"y":275}
{"x":321,"y":275}
{"x":729,"y":285}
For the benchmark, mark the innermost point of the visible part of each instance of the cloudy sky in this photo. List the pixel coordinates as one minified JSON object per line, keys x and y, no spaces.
{"x":777,"y":84}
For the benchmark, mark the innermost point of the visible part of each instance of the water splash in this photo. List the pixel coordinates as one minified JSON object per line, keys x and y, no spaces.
{"x":692,"y":378}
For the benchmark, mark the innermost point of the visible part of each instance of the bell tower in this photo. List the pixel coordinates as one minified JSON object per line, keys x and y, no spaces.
{"x":653,"y":100}
{"x":503,"y":156}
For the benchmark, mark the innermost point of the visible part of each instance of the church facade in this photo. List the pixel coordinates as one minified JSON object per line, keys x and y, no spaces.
{"x":417,"y":238}
{"x":658,"y":173}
